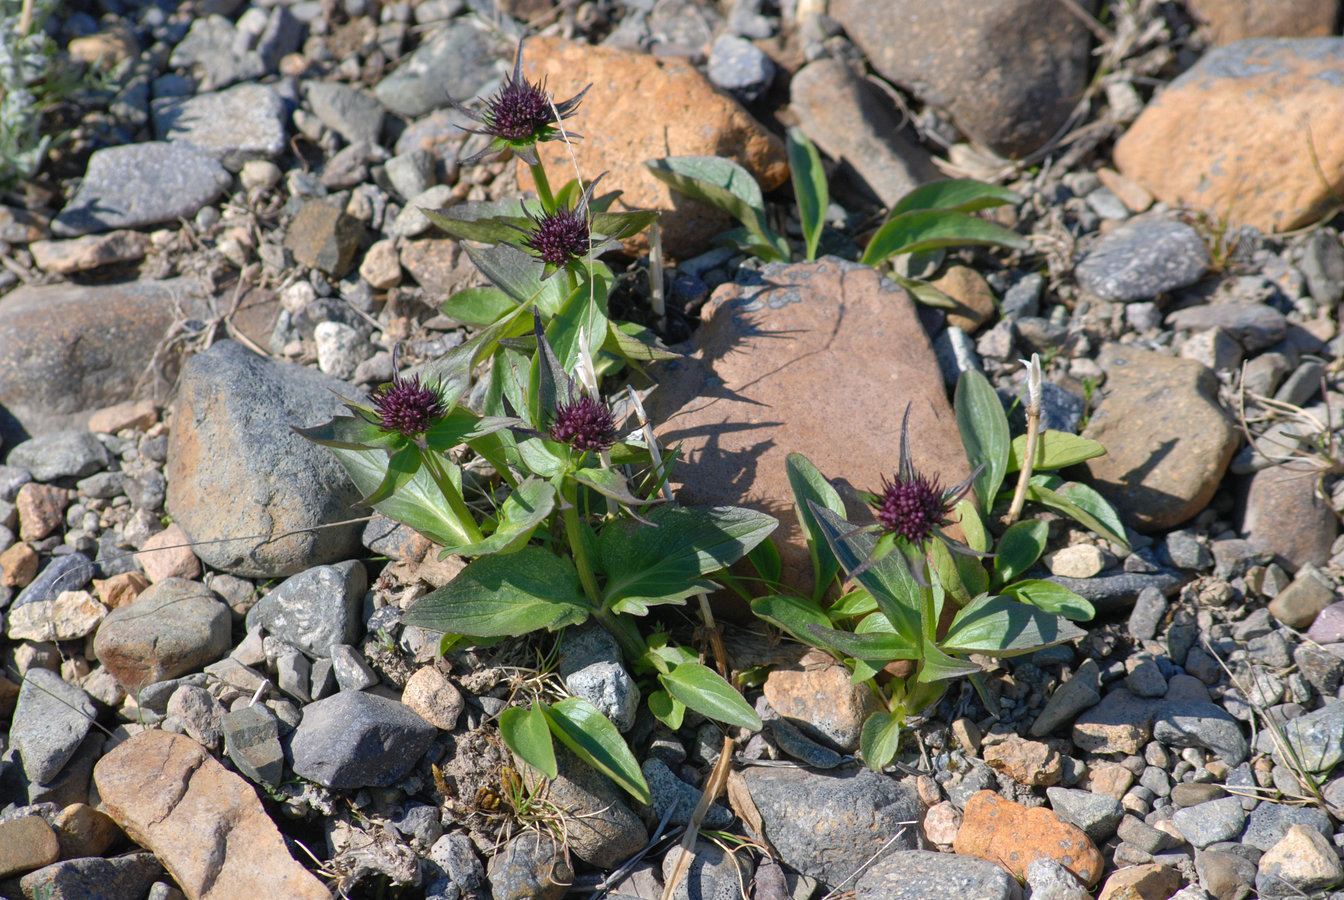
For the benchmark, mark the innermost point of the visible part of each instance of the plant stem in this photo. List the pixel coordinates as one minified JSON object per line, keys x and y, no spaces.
{"x":1033,"y":435}
{"x":579,"y":551}
{"x":454,"y":497}
{"x":543,"y":188}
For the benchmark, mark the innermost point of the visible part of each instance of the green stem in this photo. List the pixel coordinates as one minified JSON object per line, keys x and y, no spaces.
{"x":454,"y":498}
{"x":543,"y":188}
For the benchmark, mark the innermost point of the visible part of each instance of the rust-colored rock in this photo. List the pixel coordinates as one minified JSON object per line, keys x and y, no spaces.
{"x":204,"y":823}
{"x":643,"y":107}
{"x":1026,"y":762}
{"x":1146,"y":882}
{"x":1167,"y":440}
{"x":1258,"y":127}
{"x":27,"y":843}
{"x":973,"y":296}
{"x":84,"y":831}
{"x":820,"y":359}
{"x":18,"y":565}
{"x":1235,"y":20}
{"x":1013,"y":836}
{"x":168,"y":555}
{"x":822,"y":702}
{"x":41,"y":509}
{"x":1284,"y":516}
{"x":137,"y":414}
{"x":120,"y":589}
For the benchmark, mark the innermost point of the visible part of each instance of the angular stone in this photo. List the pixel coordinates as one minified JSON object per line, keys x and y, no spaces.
{"x":1097,"y":814}
{"x":1167,"y":440}
{"x":600,"y":828}
{"x":645,"y":107}
{"x":168,"y":555}
{"x":203,"y":822}
{"x":1014,"y":836}
{"x":1141,"y":259}
{"x":235,"y":126}
{"x":1298,"y":605}
{"x":252,"y":741}
{"x":1284,"y":516}
{"x":84,"y":831}
{"x":1026,"y":762}
{"x":1225,"y":118}
{"x":1210,"y":822}
{"x":51,"y":720}
{"x":923,"y":875}
{"x":1302,"y":862}
{"x":1255,"y":326}
{"x":531,"y":866}
{"x":232,"y":437}
{"x":1080,"y":692}
{"x":314,"y":610}
{"x":1145,"y":882}
{"x":72,"y":615}
{"x":18,"y":565}
{"x":773,"y":355}
{"x":324,"y":237}
{"x":431,"y":696}
{"x":89,"y":252}
{"x":1198,"y":723}
{"x":172,"y":628}
{"x":823,"y":703}
{"x":41,"y":509}
{"x":355,"y":739}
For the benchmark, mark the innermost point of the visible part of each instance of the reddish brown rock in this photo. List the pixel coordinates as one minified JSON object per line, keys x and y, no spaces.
{"x":41,"y":510}
{"x":1014,"y":836}
{"x":120,"y":589}
{"x":324,"y":237}
{"x":972,"y":294}
{"x":168,"y":555}
{"x":1167,"y":440}
{"x":27,"y":843}
{"x":1259,"y":129}
{"x":822,"y":702}
{"x":643,"y":107}
{"x":84,"y":831}
{"x":1234,"y":20}
{"x":1147,"y":882}
{"x":819,"y":359}
{"x":18,"y":565}
{"x":1284,"y":516}
{"x":173,"y":627}
{"x":204,"y":823}
{"x":1026,"y":762}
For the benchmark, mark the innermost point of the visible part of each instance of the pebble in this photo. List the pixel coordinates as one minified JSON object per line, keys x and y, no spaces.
{"x":1141,"y":259}
{"x":667,"y":789}
{"x":168,"y":554}
{"x":738,"y":66}
{"x":1301,"y":862}
{"x":325,"y":238}
{"x":60,"y":454}
{"x":352,"y":672}
{"x":26,"y":843}
{"x":1328,"y":626}
{"x":923,"y":875}
{"x":1013,"y":836}
{"x":1207,"y":823}
{"x":604,"y":831}
{"x":1268,"y":823}
{"x":1254,"y":325}
{"x":590,"y":664}
{"x":530,"y":865}
{"x":1120,"y":723}
{"x":355,"y":739}
{"x":822,"y":703}
{"x":1143,"y":882}
{"x":713,"y":873}
{"x":1196,"y":723}
{"x":1097,"y":814}
{"x":252,"y":740}
{"x":456,"y":62}
{"x":51,"y":720}
{"x":84,"y":831}
{"x":124,"y":876}
{"x":236,"y":126}
{"x":71,"y":616}
{"x":1026,"y":762}
{"x":1076,"y":561}
{"x":430,"y":694}
{"x":173,"y":627}
{"x":314,"y":609}
{"x":1298,"y":605}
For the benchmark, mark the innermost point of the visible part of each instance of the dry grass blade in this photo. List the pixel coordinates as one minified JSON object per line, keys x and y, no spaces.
{"x":713,"y":787}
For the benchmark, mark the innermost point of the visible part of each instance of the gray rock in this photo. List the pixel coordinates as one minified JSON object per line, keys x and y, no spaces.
{"x":209,"y":49}
{"x":590,"y":665}
{"x":793,"y":742}
{"x":926,"y":875}
{"x":252,"y":741}
{"x":1080,"y":692}
{"x":61,"y":454}
{"x":713,"y":874}
{"x":68,"y":572}
{"x":124,"y":876}
{"x":740,"y":67}
{"x":1282,"y":515}
{"x":667,"y":789}
{"x":1323,"y":670}
{"x":1225,"y":872}
{"x":828,"y":824}
{"x":1302,"y":384}
{"x":1254,"y":325}
{"x":531,"y":865}
{"x":1146,"y":680}
{"x":356,"y":739}
{"x":1184,"y":551}
{"x":456,"y":62}
{"x":316,"y":609}
{"x":134,"y":185}
{"x":1141,"y":259}
{"x":1150,"y":607}
{"x":1207,"y":823}
{"x":12,"y":477}
{"x":419,"y":821}
{"x":235,"y":126}
{"x":52,"y":717}
{"x":352,"y":672}
{"x":1144,"y":836}
{"x":352,"y":113}
{"x":1269,"y":822}
{"x":232,"y":438}
{"x":411,"y":173}
{"x":1323,"y":266}
{"x":1097,"y":814}
{"x":199,"y":712}
{"x":455,"y":855}
{"x":1194,"y":723}
{"x":603,"y":831}
{"x":173,"y":627}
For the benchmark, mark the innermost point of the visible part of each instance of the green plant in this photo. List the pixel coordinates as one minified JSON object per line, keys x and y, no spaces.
{"x":915,"y":604}
{"x":29,"y":85}
{"x":929,"y":218}
{"x":560,"y":511}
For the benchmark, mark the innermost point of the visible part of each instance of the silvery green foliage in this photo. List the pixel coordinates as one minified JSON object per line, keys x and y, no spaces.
{"x":23,"y":69}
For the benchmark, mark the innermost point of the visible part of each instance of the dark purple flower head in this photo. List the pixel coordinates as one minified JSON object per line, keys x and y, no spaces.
{"x":520,"y":115}
{"x":584,"y":423}
{"x":406,"y":406}
{"x":911,"y":505}
{"x":560,"y":237}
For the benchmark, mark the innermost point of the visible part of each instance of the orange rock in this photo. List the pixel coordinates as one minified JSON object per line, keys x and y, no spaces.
{"x":1147,"y":882}
{"x":1235,"y":20}
{"x":1027,"y":762}
{"x":640,"y":108}
{"x":41,"y":510}
{"x":120,"y":589}
{"x":168,"y":555}
{"x":1013,"y":836}
{"x":822,"y":702}
{"x":1258,"y":127}
{"x":18,"y":565}
{"x":138,"y":414}
{"x":974,"y":298}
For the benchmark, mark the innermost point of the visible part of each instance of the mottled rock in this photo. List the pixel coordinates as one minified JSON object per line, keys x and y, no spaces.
{"x":349,"y":111}
{"x":1212,"y":821}
{"x":173,"y":627}
{"x":1167,"y":440}
{"x":235,"y":126}
{"x":713,"y":873}
{"x":1301,"y":862}
{"x":531,"y":866}
{"x":1298,"y":604}
{"x":89,"y":252}
{"x":41,"y":509}
{"x":72,"y":615}
{"x":923,"y":875}
{"x":1255,"y":326}
{"x":1120,"y":723}
{"x":600,"y":828}
{"x":454,"y":63}
{"x":124,"y":876}
{"x":168,"y":554}
{"x":1097,"y":814}
{"x":84,"y":831}
{"x":431,"y":696}
{"x":26,"y":843}
{"x":50,"y":721}
{"x":324,"y":237}
{"x":822,"y":702}
{"x":1013,"y":836}
{"x":1233,"y":20}
{"x":1144,"y":882}
{"x":203,"y":822}
{"x":1026,"y":762}
{"x":1142,"y":259}
{"x":1198,"y":723}
{"x":316,"y":609}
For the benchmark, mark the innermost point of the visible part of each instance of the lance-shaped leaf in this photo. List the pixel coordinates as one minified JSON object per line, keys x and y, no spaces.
{"x":1081,"y":503}
{"x":959,"y":194}
{"x":880,"y":739}
{"x":810,"y":486}
{"x":888,"y":579}
{"x":417,"y":503}
{"x":792,"y":614}
{"x":666,"y":562}
{"x":526,"y":507}
{"x":1019,"y":548}
{"x":509,"y":595}
{"x":878,"y":646}
{"x":809,"y":187}
{"x":634,"y":343}
{"x":1054,"y":450}
{"x":587,"y":732}
{"x":927,"y":229}
{"x":485,"y":230}
{"x":527,"y":733}
{"x":519,"y":275}
{"x":998,"y":626}
{"x":727,"y":185}
{"x":353,"y":433}
{"x":609,"y":483}
{"x":984,"y":433}
{"x":935,"y":665}
{"x":702,"y":690}
{"x":478,"y":305}
{"x":1052,"y":598}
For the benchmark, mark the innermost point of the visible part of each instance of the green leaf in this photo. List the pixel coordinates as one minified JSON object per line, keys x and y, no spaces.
{"x":723,"y":183}
{"x":587,"y":732}
{"x":641,"y":346}
{"x":623,"y":224}
{"x":925,"y":293}
{"x":948,"y":573}
{"x":878,"y":646}
{"x":984,"y":433}
{"x":1019,"y":548}
{"x":1054,"y":450}
{"x":666,"y":709}
{"x":453,"y":371}
{"x":1084,"y":505}
{"x":352,"y":433}
{"x":665,"y":563}
{"x":526,"y":507}
{"x":526,"y":733}
{"x":857,"y":602}
{"x":478,"y":305}
{"x":704,"y":691}
{"x":462,"y":426}
{"x":1052,"y":598}
{"x":519,"y":275}
{"x":809,"y":187}
{"x":418,"y":503}
{"x":765,"y":557}
{"x":583,"y":313}
{"x":880,"y":739}
{"x":489,"y":230}
{"x":960,"y":194}
{"x":972,"y":526}
{"x":935,"y":665}
{"x":792,"y":614}
{"x":1000,"y":626}
{"x":609,"y":483}
{"x":888,"y":579}
{"x":505,"y":595}
{"x":808,"y":484}
{"x":925,"y":229}
{"x":401,"y":468}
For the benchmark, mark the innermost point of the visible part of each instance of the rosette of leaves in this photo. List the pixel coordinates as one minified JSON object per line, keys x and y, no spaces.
{"x":926,"y":220}
{"x":579,"y":533}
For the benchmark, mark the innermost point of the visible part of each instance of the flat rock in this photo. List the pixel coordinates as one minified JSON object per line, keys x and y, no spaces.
{"x":1282,"y":515}
{"x":1168,"y":442}
{"x":828,"y":824}
{"x":97,"y":341}
{"x":27,"y":843}
{"x":232,"y":437}
{"x":349,"y":111}
{"x":850,"y":120}
{"x":818,"y":359}
{"x":1303,"y":861}
{"x":132,"y":185}
{"x":644,"y":107}
{"x":1142,"y":259}
{"x":51,"y":720}
{"x":1014,"y":836}
{"x":71,"y":616}
{"x":205,"y":824}
{"x":353,"y":740}
{"x":1229,"y":21}
{"x":1225,"y":119}
{"x":1120,"y":723}
{"x":173,"y":627}
{"x":235,"y":126}
{"x":823,"y":703}
{"x":1212,"y":821}
{"x":90,"y":251}
{"x":925,"y":875}
{"x":124,"y":876}
{"x":1097,"y":814}
{"x":1016,"y":88}
{"x":1254,"y":325}
{"x":314,"y":610}
{"x":1197,"y":723}
{"x":1316,"y":738}
{"x":60,"y":454}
